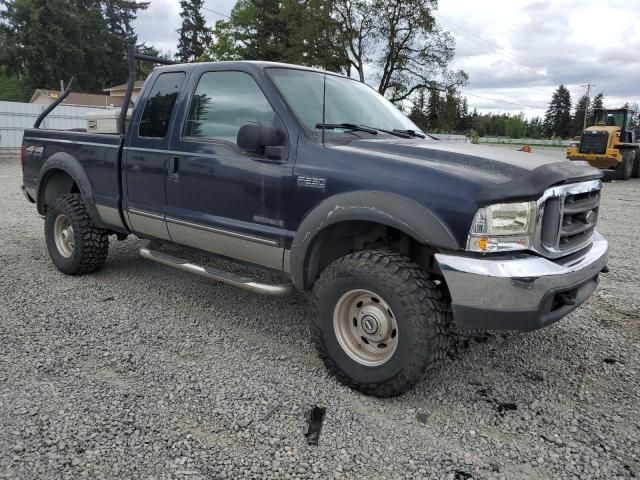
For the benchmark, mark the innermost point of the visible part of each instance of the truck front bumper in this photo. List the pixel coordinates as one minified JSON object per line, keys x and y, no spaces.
{"x":521,"y":292}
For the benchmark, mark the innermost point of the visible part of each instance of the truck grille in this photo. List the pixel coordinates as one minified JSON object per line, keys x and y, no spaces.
{"x":569,"y":217}
{"x":593,"y":142}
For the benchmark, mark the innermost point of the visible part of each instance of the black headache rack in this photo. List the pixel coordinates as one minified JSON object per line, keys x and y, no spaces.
{"x":132,"y":56}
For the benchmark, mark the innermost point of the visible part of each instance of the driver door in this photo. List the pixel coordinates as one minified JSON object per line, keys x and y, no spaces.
{"x":220,"y":198}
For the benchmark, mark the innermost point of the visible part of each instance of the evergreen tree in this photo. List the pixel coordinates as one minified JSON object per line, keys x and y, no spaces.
{"x":194,"y":34}
{"x":255,"y":31}
{"x":433,"y":110}
{"x":596,"y":103}
{"x":464,"y":119}
{"x":46,"y":41}
{"x":417,"y":114}
{"x":449,"y":112}
{"x":294,"y":31}
{"x":582,"y":108}
{"x":119,"y":16}
{"x":557,"y":120}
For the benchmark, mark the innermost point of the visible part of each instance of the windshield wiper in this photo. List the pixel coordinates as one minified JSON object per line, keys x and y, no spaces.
{"x":411,"y":133}
{"x":347,"y":126}
{"x":373,"y":130}
{"x":397,"y":133}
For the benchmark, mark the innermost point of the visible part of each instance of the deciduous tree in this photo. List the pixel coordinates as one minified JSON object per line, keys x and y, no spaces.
{"x":401,"y":39}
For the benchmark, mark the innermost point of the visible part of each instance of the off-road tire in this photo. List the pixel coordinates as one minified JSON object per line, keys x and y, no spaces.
{"x":91,"y":244}
{"x":635,"y":173}
{"x":421,"y":311}
{"x":625,"y":167}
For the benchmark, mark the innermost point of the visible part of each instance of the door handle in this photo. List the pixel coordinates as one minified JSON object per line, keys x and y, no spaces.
{"x":174,"y":169}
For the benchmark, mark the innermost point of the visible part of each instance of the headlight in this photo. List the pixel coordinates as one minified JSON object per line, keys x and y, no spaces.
{"x":502,"y":227}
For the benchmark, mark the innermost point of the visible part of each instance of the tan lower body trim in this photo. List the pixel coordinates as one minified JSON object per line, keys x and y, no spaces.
{"x":109,"y":216}
{"x":148,"y":224}
{"x":250,"y":251}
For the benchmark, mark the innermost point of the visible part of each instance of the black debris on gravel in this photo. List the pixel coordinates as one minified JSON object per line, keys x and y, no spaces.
{"x":313,"y":418}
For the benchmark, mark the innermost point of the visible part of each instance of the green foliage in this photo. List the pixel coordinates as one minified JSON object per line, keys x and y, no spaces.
{"x":441,"y":113}
{"x":223,"y":46}
{"x":557,"y":120}
{"x":475,"y":137}
{"x":402,"y":39}
{"x":144,"y":69}
{"x":46,"y":41}
{"x":535,"y":128}
{"x":12,"y":89}
{"x":292,"y":31}
{"x":596,"y":103}
{"x":502,"y":125}
{"x":515,"y":126}
{"x":194,"y":34}
{"x":577,"y":122}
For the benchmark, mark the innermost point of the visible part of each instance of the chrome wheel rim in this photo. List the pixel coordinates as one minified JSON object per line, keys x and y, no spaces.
{"x":365,"y":327}
{"x":63,"y":234}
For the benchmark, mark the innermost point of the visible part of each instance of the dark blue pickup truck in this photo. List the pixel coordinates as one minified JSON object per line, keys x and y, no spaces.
{"x":398,"y":237}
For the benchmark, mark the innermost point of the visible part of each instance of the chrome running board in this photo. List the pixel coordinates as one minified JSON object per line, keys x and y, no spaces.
{"x":217,"y":275}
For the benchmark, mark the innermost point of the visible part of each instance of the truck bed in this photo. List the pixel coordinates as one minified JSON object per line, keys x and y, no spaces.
{"x":98,"y":155}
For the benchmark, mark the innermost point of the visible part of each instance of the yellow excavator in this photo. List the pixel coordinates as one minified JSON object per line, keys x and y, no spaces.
{"x":610,"y":144}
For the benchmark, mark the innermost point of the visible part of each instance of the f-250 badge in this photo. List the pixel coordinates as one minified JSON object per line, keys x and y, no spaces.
{"x":311,"y":182}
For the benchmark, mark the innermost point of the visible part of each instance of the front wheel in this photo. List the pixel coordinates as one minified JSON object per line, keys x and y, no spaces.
{"x":379,"y":323}
{"x":625,"y":167}
{"x":74,"y":242}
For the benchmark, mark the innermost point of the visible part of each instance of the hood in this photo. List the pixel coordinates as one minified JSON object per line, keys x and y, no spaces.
{"x":502,"y":174}
{"x":501,"y":162}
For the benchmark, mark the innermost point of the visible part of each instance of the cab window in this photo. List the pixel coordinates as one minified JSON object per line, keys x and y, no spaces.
{"x":159,"y":105}
{"x":222,"y":103}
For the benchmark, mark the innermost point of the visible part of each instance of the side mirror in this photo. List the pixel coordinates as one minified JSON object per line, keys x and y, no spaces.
{"x":254,"y":137}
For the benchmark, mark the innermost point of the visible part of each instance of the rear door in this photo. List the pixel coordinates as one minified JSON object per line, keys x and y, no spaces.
{"x":145,"y":157}
{"x":219,"y":197}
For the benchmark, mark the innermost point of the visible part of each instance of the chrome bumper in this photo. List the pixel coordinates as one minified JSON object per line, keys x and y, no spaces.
{"x":520,"y":292}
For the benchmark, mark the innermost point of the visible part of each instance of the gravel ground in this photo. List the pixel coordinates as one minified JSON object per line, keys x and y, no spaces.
{"x":141,"y":371}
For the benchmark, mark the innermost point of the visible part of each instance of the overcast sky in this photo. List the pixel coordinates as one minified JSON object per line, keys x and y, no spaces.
{"x":517,"y":51}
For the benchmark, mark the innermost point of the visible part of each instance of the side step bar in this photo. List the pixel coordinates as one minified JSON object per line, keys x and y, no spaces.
{"x":217,"y":275}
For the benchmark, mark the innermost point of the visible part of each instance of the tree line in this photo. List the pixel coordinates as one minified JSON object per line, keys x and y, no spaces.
{"x":448,"y":112}
{"x":43,"y":41}
{"x":393,"y":45}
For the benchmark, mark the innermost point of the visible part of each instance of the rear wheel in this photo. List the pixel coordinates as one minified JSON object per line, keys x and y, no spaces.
{"x":635,"y":173}
{"x":625,"y":167}
{"x":74,"y":242}
{"x":379,"y":323}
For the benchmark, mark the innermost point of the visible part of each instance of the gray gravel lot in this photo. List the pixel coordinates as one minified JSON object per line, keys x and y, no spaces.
{"x":141,"y":371}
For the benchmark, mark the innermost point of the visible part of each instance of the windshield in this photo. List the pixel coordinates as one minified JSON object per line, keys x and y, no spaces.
{"x":611,"y":119}
{"x":347,"y":102}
